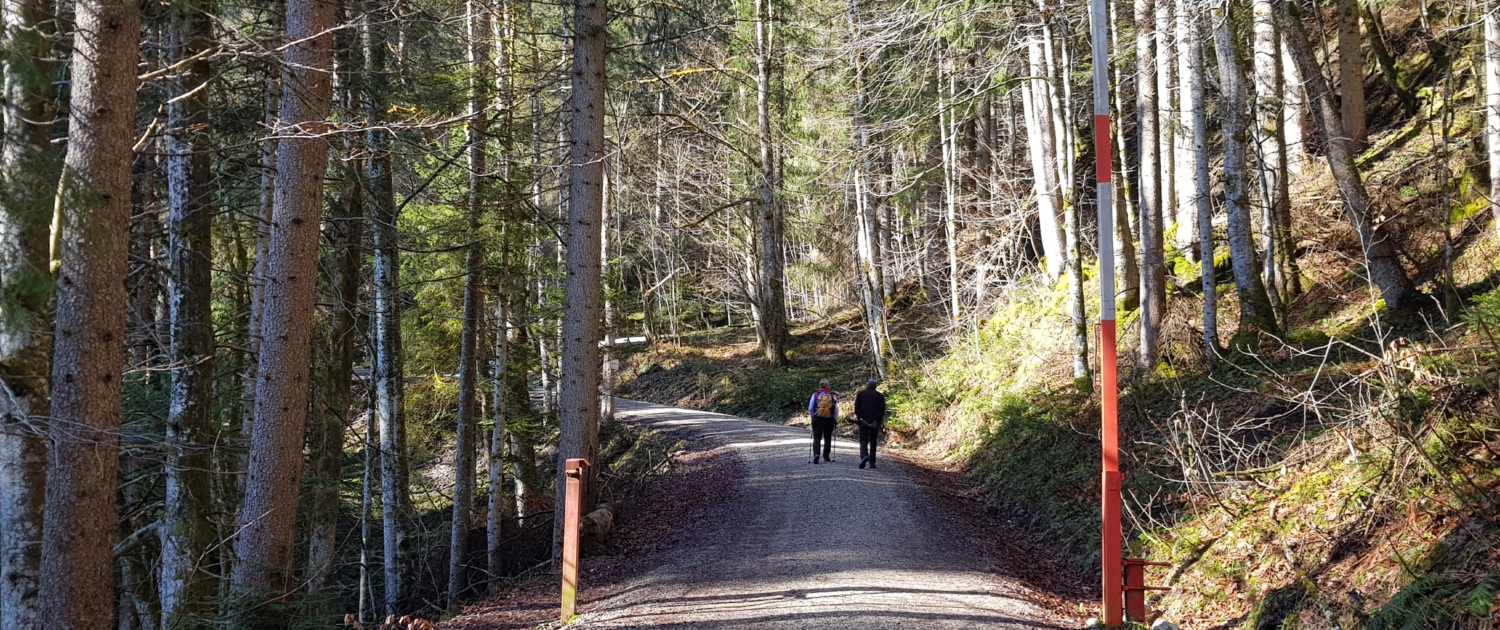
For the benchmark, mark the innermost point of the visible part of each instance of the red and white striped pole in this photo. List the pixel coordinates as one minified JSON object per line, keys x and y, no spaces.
{"x":1112,"y":574}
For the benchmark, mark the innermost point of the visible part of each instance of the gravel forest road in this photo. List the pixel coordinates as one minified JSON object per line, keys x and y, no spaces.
{"x":812,"y":546}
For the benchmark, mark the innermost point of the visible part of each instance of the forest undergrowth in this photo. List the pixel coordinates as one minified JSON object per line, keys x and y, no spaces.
{"x":1343,"y":474}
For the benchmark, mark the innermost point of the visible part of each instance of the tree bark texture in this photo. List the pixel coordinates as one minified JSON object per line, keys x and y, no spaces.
{"x":473,"y":305}
{"x":1039,"y":140}
{"x":388,"y":369}
{"x":76,"y":586}
{"x":1492,"y":103}
{"x":1149,"y":190}
{"x":325,"y":437}
{"x":1255,"y":306}
{"x":772,"y":290}
{"x":578,"y":415}
{"x":186,"y":536}
{"x":1203,"y":201}
{"x":1270,"y":90}
{"x":28,"y":175}
{"x":1381,"y":261}
{"x":268,"y":515}
{"x":1351,"y":70}
{"x":1184,"y":174}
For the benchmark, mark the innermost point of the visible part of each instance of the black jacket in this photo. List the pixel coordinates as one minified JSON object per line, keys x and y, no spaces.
{"x":869,"y":407}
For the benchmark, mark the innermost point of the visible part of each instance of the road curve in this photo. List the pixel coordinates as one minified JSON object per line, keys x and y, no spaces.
{"x":812,"y":546}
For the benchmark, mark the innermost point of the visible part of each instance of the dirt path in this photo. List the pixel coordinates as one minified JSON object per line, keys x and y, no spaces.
{"x":827,"y":546}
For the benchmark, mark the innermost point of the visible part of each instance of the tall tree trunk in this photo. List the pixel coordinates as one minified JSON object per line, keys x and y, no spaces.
{"x":1270,"y":89}
{"x":1039,"y":139}
{"x":1184,"y":172}
{"x":1166,"y":111}
{"x":268,"y":516}
{"x":1128,"y":278}
{"x":185,"y":530}
{"x":1379,"y":250}
{"x":1351,"y":68}
{"x":325,"y":437}
{"x":1203,"y":201}
{"x":1149,"y":190}
{"x":1255,"y":306}
{"x":578,"y":416}
{"x":75,"y":589}
{"x":28,"y":175}
{"x":478,"y":23}
{"x":772,"y":290}
{"x":868,"y":235}
{"x":389,"y":375}
{"x":1294,"y":113}
{"x":1492,"y":103}
{"x":268,"y":148}
{"x":950,"y":176}
{"x":500,"y":323}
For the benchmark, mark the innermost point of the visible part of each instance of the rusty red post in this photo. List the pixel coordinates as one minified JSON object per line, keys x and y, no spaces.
{"x":1109,"y":426}
{"x":1135,"y":588}
{"x":571,"y":519}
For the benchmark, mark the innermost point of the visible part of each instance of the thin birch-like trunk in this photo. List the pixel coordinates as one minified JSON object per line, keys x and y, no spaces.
{"x":1184,"y":174}
{"x":185,"y":530}
{"x":388,"y":371}
{"x":28,"y":176}
{"x":1039,"y":140}
{"x":478,"y":25}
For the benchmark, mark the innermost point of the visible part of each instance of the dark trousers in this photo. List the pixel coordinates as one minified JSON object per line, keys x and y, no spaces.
{"x":822,"y":429}
{"x":867,"y":438}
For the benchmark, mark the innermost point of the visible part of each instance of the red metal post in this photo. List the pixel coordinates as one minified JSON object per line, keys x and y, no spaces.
{"x":1135,"y":588}
{"x":1109,"y":429}
{"x":571,"y":519}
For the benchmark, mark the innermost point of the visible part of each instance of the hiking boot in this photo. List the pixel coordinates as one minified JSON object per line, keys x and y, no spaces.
{"x":827,"y":459}
{"x":872,"y":465}
{"x":862,"y":463}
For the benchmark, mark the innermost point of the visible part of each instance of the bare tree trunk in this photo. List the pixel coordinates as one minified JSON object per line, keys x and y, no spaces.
{"x":772,"y":264}
{"x":389,"y":374}
{"x":1039,"y":139}
{"x":1202,"y":193}
{"x":578,"y":416}
{"x":28,"y":175}
{"x":185,"y":528}
{"x":268,"y":150}
{"x":1166,"y":120}
{"x":1351,"y":69}
{"x":268,"y":516}
{"x":500,"y":324}
{"x":1270,"y":89}
{"x":1381,"y":260}
{"x":1184,"y":172}
{"x":1255,"y":306}
{"x":1492,"y":103}
{"x":325,"y":437}
{"x":1128,"y":285}
{"x":1149,"y":190}
{"x":868,"y":236}
{"x":1294,"y":115}
{"x":76,"y":586}
{"x":478,"y":24}
{"x":950,"y":177}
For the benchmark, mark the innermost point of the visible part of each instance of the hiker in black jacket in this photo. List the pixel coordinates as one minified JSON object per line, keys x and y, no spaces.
{"x":869,"y":414}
